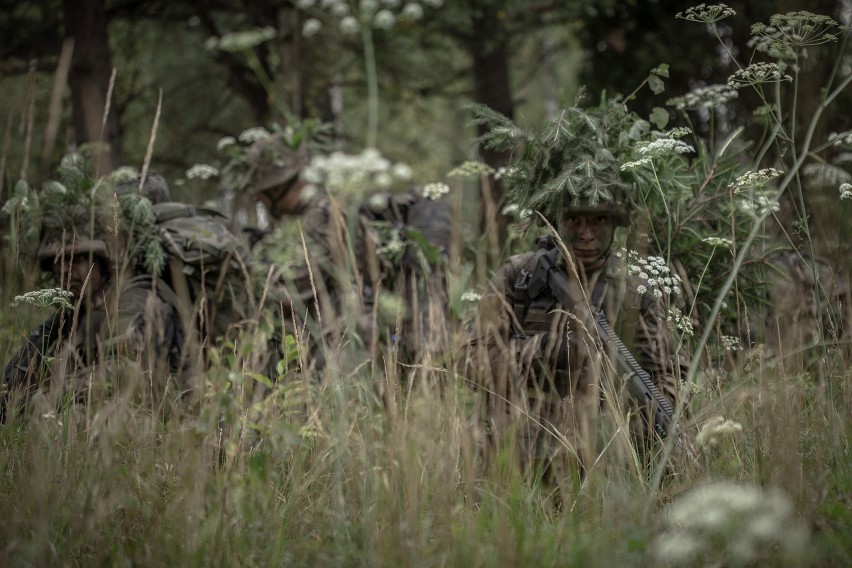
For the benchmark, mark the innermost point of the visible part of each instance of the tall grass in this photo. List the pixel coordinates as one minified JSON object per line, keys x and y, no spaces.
{"x":381,"y":459}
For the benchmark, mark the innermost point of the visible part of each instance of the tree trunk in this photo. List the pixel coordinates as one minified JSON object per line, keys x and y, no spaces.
{"x":492,"y":87}
{"x":85,"y":22}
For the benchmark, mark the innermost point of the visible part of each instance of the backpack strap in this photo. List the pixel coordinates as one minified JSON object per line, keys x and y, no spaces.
{"x":171,"y":210}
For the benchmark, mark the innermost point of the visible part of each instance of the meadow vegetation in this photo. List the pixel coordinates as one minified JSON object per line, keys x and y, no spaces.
{"x":378,"y":460}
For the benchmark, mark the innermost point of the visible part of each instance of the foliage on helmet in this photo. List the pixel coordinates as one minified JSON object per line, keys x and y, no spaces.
{"x":574,"y":161}
{"x":259,"y":148}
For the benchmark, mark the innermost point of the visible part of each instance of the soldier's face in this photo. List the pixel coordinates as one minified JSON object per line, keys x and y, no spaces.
{"x":73,"y":272}
{"x":589,"y":237}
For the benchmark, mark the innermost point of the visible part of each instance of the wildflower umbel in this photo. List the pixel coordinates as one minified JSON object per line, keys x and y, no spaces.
{"x":718,"y":242}
{"x":796,"y":30}
{"x":355,"y":174}
{"x":758,"y":74}
{"x":704,"y":97}
{"x":654,"y":275}
{"x":201,"y":171}
{"x":754,"y":179}
{"x":435,"y":190}
{"x":471,"y":170}
{"x":846,"y":191}
{"x":727,"y":524}
{"x":706,"y":14}
{"x":47,"y":298}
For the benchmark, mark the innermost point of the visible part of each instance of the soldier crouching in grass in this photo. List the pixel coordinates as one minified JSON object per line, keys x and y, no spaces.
{"x":116,"y":331}
{"x":570,"y":338}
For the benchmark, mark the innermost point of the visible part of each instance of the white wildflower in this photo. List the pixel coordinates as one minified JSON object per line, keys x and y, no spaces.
{"x":658,"y":293}
{"x":641,"y":289}
{"x":845,"y":191}
{"x":412,"y":11}
{"x":384,"y":20}
{"x":252,"y":135}
{"x":471,"y":296}
{"x":349,"y":25}
{"x":706,"y":14}
{"x":718,"y":242}
{"x":383,"y":180}
{"x":679,"y":132}
{"x":392,"y":248}
{"x":401,"y":171}
{"x":225,"y":142}
{"x":636,"y":164}
{"x":665,"y":147}
{"x":47,"y":298}
{"x":704,"y":97}
{"x":838,"y":139}
{"x":201,"y":171}
{"x":757,"y":74}
{"x":311,"y":27}
{"x":726,"y":524}
{"x":435,"y":190}
{"x":755,"y":179}
{"x":730,"y":343}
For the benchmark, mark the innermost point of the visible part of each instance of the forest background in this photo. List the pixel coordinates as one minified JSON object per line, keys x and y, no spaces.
{"x":206,"y":70}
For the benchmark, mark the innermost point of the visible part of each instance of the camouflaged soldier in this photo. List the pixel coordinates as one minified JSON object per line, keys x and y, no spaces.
{"x":320,"y":274}
{"x":301,"y":261}
{"x":554,"y":376}
{"x":121,"y":325}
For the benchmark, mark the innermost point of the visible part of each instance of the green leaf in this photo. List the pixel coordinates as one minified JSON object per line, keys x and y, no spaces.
{"x":659,"y":117}
{"x":656,"y":84}
{"x":262,"y":379}
{"x":662,"y":70}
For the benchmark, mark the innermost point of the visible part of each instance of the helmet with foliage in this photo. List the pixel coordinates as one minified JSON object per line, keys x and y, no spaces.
{"x":73,"y":217}
{"x":261,"y":160}
{"x":64,"y":237}
{"x":272,"y":163}
{"x":571,"y":165}
{"x":154,"y":187}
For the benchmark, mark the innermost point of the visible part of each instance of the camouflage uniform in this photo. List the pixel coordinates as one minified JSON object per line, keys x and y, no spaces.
{"x":344,"y":262}
{"x":546,"y":376}
{"x":125,"y":323}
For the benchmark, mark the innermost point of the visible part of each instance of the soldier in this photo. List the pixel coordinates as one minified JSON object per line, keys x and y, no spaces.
{"x":566,"y":330}
{"x":330,"y":273}
{"x":120,"y":320}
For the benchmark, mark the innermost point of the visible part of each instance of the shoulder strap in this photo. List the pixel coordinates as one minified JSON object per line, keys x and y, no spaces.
{"x":171,"y":210}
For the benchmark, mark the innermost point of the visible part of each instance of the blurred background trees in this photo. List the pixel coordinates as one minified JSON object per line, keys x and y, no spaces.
{"x":60,"y":60}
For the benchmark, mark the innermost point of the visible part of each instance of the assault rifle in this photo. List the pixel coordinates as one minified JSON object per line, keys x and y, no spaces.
{"x":546,"y":274}
{"x":27,"y":362}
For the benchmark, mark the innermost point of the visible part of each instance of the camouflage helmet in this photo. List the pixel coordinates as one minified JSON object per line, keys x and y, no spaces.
{"x":155,"y":188}
{"x":64,"y":238}
{"x":570,"y":165}
{"x":273,"y":163}
{"x":595,"y":187}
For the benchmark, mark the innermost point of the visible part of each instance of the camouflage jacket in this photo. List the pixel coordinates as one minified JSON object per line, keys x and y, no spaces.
{"x":137,"y":328}
{"x":537,"y":345}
